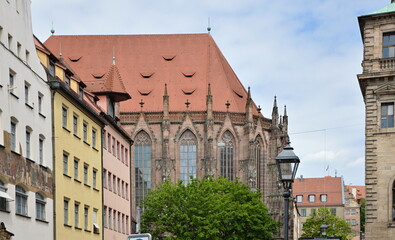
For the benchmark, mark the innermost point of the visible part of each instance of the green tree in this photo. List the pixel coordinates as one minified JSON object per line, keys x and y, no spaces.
{"x":362,"y":215}
{"x":206,"y":209}
{"x":337,"y":227}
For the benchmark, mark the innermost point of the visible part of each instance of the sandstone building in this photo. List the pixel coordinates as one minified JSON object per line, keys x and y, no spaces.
{"x":189,"y":115}
{"x":377,"y":85}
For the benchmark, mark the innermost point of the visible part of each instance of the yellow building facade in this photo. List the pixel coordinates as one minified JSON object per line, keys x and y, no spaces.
{"x":77,"y":131}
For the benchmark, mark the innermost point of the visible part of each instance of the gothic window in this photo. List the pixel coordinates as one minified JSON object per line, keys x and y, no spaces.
{"x":142,"y":151}
{"x":188,"y":156}
{"x":226,"y":149}
{"x":257,"y":160}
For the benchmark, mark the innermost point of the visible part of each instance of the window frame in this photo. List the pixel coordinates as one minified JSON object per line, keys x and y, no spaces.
{"x":21,"y":201}
{"x":40,"y":207}
{"x":386,"y":48}
{"x":385,"y":116}
{"x":311,"y":198}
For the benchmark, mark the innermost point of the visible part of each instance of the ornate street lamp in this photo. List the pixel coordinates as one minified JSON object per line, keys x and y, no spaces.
{"x":287,"y":164}
{"x":323,"y":229}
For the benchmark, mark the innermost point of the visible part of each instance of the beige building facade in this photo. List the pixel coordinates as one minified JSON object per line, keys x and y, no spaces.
{"x":377,"y":85}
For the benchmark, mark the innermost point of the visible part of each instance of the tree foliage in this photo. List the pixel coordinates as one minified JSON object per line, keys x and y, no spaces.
{"x":337,"y":227}
{"x":206,"y":209}
{"x":362,"y":215}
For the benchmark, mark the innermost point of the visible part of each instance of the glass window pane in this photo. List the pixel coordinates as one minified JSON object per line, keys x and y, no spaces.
{"x":392,"y":40}
{"x":392,"y":52}
{"x":391,"y":121}
{"x":385,"y":40}
{"x":390,"y":109}
{"x":385,"y":52}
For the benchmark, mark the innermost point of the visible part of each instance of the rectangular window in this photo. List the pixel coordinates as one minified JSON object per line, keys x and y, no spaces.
{"x":122,"y":153}
{"x":333,"y":211}
{"x":65,"y":163}
{"x":311,"y":198}
{"x":299,"y":198}
{"x":75,"y":124}
{"x":347,"y":211}
{"x":85,"y":129}
{"x":118,"y":155}
{"x":27,"y":90}
{"x":76,"y":162}
{"x":113,"y":147}
{"x":52,"y":68}
{"x":109,"y":218}
{"x":126,"y":157}
{"x":67,"y":80}
{"x":93,"y":138}
{"x":387,"y":115}
{"x":389,"y":45}
{"x":41,"y":150}
{"x":76,"y":214}
{"x":13,"y":136}
{"x":85,"y":174}
{"x":105,"y":139}
{"x":123,"y":223}
{"x":323,"y":197}
{"x":114,"y":184}
{"x":40,"y":103}
{"x":303,"y":212}
{"x":353,"y":211}
{"x":127,"y":191}
{"x":127,"y":225}
{"x":18,"y":49}
{"x":105,"y":216}
{"x":86,"y":217}
{"x":123,"y":189}
{"x":28,"y":144}
{"x":64,"y":116}
{"x":114,"y":220}
{"x":66,"y":211}
{"x":353,"y":222}
{"x":119,"y":222}
{"x":109,"y":181}
{"x":119,"y":186}
{"x":94,"y":174}
{"x":109,"y":142}
{"x":104,"y":178}
{"x":11,"y":84}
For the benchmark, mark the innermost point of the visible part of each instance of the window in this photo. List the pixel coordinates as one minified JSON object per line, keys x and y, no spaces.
{"x":347,"y":211}
{"x":94,"y":174}
{"x":389,"y":45}
{"x":113,"y":147}
{"x":114,"y":183}
{"x":347,"y":201}
{"x":118,"y":156}
{"x":93,"y":138}
{"x":18,"y":49}
{"x":86,"y":216}
{"x":323,"y":197}
{"x":27,"y":90}
{"x":85,"y":129}
{"x":119,"y":186}
{"x":353,"y":211}
{"x":75,"y":124}
{"x":114,"y":220}
{"x":127,"y":191}
{"x":226,"y":155}
{"x":109,"y":142}
{"x":67,"y":80}
{"x":311,"y":198}
{"x":299,"y":198}
{"x":188,"y":156}
{"x":21,"y":200}
{"x":40,"y":103}
{"x":52,"y":68}
{"x":123,"y":223}
{"x":333,"y":211}
{"x":109,"y":181}
{"x":64,"y":116}
{"x":86,"y":174}
{"x":28,"y":135}
{"x":353,"y":222}
{"x":119,"y":222}
{"x":94,"y":219}
{"x":105,"y":216}
{"x":387,"y":115}
{"x":123,"y":189}
{"x":13,"y":136}
{"x":122,"y":153}
{"x":3,"y":199}
{"x":11,"y":86}
{"x":76,"y":214}
{"x":126,"y":157}
{"x":65,"y":163}
{"x":41,"y":150}
{"x":142,"y":152}
{"x":105,"y":139}
{"x":104,"y":178}
{"x":76,"y":162}
{"x":303,"y":212}
{"x":27,"y":54}
{"x":66,"y":212}
{"x":109,"y":218}
{"x":110,"y":108}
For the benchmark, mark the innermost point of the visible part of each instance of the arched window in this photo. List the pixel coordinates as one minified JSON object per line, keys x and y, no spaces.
{"x":142,"y":154}
{"x":188,"y":156}
{"x":226,"y":150}
{"x":257,"y":160}
{"x":21,"y":200}
{"x":40,"y":207}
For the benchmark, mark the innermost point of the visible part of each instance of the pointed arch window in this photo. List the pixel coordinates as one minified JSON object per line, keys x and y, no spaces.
{"x":188,"y":156}
{"x":142,"y":154}
{"x":226,"y":150}
{"x":257,"y":160}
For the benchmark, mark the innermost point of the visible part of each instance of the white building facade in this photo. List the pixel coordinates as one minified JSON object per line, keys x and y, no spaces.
{"x":26,"y":181}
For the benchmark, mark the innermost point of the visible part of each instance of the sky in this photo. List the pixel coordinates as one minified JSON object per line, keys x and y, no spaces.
{"x":307,"y":53}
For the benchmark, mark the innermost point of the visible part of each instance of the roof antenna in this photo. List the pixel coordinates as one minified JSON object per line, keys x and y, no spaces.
{"x":52,"y":29}
{"x":113,"y":55}
{"x":208,"y":26}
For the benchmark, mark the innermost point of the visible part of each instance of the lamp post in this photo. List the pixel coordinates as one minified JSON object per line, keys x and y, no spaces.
{"x":287,"y":164}
{"x":323,"y":229}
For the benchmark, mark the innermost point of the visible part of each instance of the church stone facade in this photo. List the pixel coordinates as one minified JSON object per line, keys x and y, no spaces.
{"x":189,"y":115}
{"x":377,"y":83}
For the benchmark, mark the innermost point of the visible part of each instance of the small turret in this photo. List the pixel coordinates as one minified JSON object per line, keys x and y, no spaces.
{"x":165,"y":104}
{"x":275,"y":113}
{"x":249,"y":107}
{"x":285,"y":120}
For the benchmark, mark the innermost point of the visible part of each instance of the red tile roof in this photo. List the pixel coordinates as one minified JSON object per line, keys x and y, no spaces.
{"x":186,"y":62}
{"x":332,"y":186}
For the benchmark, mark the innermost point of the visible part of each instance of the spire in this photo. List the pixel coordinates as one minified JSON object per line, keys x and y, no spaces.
{"x":285,"y":120}
{"x":165,"y":104}
{"x":208,"y":26}
{"x":285,"y":110}
{"x":249,"y":106}
{"x":275,"y":113}
{"x":249,"y":93}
